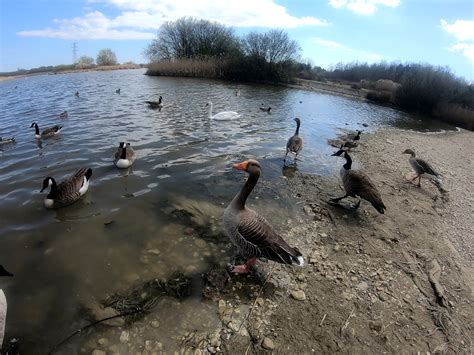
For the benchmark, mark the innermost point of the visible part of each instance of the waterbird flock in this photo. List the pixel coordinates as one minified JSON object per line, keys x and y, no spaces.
{"x":250,"y":232}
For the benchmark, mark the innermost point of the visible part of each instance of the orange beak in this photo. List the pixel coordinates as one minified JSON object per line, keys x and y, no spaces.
{"x":241,"y":166}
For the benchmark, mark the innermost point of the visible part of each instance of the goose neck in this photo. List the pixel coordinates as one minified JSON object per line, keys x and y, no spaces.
{"x":297,"y":131}
{"x":123,"y":154}
{"x":348,"y":163}
{"x":240,"y":199}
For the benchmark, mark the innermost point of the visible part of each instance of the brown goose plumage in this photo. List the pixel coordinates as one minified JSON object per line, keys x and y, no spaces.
{"x":250,"y":232}
{"x":358,"y":184}
{"x":68,"y":191}
{"x":295,"y":142}
{"x":421,"y":167}
{"x":46,"y":133}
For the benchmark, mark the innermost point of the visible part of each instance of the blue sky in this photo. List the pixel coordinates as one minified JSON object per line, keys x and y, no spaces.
{"x":439,"y":32}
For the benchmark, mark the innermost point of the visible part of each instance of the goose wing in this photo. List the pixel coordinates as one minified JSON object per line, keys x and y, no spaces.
{"x":260,"y":240}
{"x":294,"y":144}
{"x":427,"y":168}
{"x":130,"y":153}
{"x":51,"y":130}
{"x":363,"y":186}
{"x":69,"y":190}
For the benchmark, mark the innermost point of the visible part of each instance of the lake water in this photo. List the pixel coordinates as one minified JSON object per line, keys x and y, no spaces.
{"x":68,"y":259}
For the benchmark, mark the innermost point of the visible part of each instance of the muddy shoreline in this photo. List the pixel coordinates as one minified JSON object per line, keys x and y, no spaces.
{"x":401,"y":282}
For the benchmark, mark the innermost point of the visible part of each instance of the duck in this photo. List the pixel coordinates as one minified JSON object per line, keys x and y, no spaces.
{"x":421,"y":167}
{"x":237,"y":92}
{"x":68,"y":191}
{"x":295,"y":142}
{"x":253,"y":236}
{"x":265,"y":109}
{"x":125,"y":156}
{"x":3,"y":305}
{"x":77,"y":94}
{"x":117,"y":91}
{"x":7,"y":140}
{"x":63,"y":114}
{"x":358,"y":184}
{"x":224,"y":115}
{"x":48,"y":132}
{"x":155,"y":104}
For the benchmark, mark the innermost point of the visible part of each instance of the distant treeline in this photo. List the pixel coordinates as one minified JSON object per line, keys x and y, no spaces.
{"x":44,"y":69}
{"x":420,"y":88}
{"x":192,"y":47}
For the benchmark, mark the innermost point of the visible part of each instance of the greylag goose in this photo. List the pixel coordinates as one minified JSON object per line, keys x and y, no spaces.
{"x":421,"y":167}
{"x":295,"y":143}
{"x":224,"y":115}
{"x":265,"y":109}
{"x":48,"y":132}
{"x":358,"y":184}
{"x":125,"y":156}
{"x":7,"y":140}
{"x":155,"y":104}
{"x":68,"y":191}
{"x":63,"y":114}
{"x":251,"y":233}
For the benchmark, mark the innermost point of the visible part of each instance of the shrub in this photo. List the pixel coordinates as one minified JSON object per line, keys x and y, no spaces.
{"x":379,"y":96}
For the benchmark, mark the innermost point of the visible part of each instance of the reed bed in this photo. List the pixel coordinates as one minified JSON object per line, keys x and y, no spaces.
{"x":189,"y":67}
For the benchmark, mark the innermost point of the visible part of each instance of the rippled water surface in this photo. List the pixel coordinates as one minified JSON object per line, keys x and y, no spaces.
{"x":66,"y":259}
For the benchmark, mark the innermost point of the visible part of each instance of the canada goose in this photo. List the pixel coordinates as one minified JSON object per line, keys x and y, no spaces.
{"x":125,"y":156}
{"x":68,"y":191}
{"x":7,"y":140}
{"x":295,"y":142}
{"x":63,"y":114}
{"x":265,"y":109}
{"x":117,"y":91}
{"x":155,"y":104}
{"x":224,"y":115}
{"x":48,"y":132}
{"x":358,"y":184}
{"x":421,"y":167}
{"x":250,"y":232}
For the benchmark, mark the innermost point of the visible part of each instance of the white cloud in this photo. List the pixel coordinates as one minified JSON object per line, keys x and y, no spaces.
{"x":139,"y":19}
{"x":363,"y":7}
{"x":463,"y":31}
{"x":355,"y":54}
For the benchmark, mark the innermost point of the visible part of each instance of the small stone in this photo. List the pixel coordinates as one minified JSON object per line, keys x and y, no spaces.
{"x":336,"y":247}
{"x":155,"y":324}
{"x":298,"y":295}
{"x":323,"y":235}
{"x":98,"y":352}
{"x":362,"y":286}
{"x":308,"y":210}
{"x":153,"y":251}
{"x":376,"y":325}
{"x":103,"y":341}
{"x":383,"y":297}
{"x":189,"y":231}
{"x":124,"y":336}
{"x":260,"y":301}
{"x":268,"y":344}
{"x":211,"y":349}
{"x":301,"y":278}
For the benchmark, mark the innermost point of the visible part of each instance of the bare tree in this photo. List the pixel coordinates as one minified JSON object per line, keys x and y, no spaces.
{"x":106,"y":57}
{"x":188,"y":37}
{"x":85,"y":62}
{"x":275,"y":46}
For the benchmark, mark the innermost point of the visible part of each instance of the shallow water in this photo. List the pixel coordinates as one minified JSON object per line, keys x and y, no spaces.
{"x":66,"y":259}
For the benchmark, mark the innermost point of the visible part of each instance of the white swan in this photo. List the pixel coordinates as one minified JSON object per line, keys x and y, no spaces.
{"x":224,"y":115}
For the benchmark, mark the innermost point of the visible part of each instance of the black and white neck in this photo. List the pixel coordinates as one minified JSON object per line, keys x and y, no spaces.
{"x":348,"y":163}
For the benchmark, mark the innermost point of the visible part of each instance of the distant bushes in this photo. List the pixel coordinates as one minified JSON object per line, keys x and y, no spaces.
{"x":189,"y":67}
{"x":379,"y":96}
{"x":421,"y":88}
